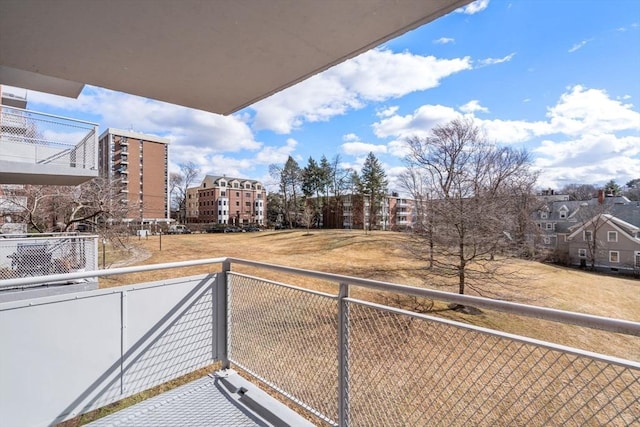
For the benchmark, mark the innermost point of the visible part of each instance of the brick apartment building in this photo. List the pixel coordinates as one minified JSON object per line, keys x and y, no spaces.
{"x":141,"y":162}
{"x":227,"y":200}
{"x":352,"y":211}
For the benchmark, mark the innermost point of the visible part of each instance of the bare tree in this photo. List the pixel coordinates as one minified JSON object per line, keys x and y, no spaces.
{"x":98,"y":202}
{"x":179,"y":183}
{"x":579,"y":191}
{"x":467,"y":182}
{"x":308,"y":216}
{"x":289,"y":177}
{"x":417,"y":182}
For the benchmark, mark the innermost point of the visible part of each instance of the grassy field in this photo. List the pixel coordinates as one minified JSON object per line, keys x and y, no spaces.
{"x":381,"y":256}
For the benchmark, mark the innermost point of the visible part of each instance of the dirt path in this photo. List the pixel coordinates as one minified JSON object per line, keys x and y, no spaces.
{"x":136,"y":256}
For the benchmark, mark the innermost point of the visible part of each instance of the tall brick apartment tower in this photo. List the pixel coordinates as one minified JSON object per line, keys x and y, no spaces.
{"x":141,"y":161}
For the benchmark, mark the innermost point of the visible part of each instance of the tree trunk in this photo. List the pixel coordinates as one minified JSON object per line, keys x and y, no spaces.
{"x":461,"y":269}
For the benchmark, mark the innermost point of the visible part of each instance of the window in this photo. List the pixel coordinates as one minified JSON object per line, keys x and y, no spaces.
{"x":219,"y":212}
{"x":612,"y":236}
{"x":223,"y":184}
{"x":549,"y":226}
{"x":236,"y":185}
{"x":563,"y":214}
{"x":582,"y":253}
{"x":219,"y":202}
{"x":547,"y":240}
{"x":588,"y":236}
{"x":637,"y":257}
{"x":614,"y":256}
{"x":237,"y":194}
{"x":544,"y":215}
{"x":247,"y":204}
{"x":247,"y":194}
{"x":223,"y":193}
{"x":237,"y":203}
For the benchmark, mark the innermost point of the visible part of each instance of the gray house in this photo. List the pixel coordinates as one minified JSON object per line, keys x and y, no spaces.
{"x":601,"y":233}
{"x":605,"y":243}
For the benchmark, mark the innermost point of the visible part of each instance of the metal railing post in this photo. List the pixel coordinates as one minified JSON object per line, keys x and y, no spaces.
{"x":343,"y":356}
{"x":221,"y":316}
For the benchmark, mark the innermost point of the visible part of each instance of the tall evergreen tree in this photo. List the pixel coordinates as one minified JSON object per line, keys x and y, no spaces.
{"x":312,"y":187}
{"x":373,"y":185}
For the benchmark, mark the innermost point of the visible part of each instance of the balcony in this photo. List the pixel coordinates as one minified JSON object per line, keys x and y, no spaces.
{"x":339,"y":357}
{"x":42,"y":149}
{"x":44,"y":255}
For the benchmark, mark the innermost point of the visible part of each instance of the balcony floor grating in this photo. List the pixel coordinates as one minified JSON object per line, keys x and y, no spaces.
{"x":203,"y":402}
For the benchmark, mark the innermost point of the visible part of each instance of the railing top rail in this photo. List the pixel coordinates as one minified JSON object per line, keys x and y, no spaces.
{"x":36,"y":236}
{"x":50,"y":115}
{"x":25,"y":281}
{"x":578,"y":319}
{"x":544,"y":313}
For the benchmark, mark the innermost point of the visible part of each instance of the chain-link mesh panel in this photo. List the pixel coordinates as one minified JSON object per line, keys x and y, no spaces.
{"x":29,"y":137}
{"x":287,"y":338}
{"x":24,"y":257}
{"x":406,"y":370}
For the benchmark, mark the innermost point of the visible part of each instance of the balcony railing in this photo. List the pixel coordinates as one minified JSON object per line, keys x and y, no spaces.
{"x":344,"y":360}
{"x":36,"y":147}
{"x":48,"y":254}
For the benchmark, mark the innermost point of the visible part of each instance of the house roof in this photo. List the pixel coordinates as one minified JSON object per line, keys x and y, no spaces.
{"x":218,"y":56}
{"x":623,"y":227}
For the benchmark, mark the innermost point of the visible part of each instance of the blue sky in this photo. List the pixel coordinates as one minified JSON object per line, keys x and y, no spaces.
{"x":557,"y":77}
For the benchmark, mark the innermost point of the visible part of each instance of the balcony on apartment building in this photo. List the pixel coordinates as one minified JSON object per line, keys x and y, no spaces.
{"x":340,"y":357}
{"x":46,"y":254}
{"x":39,"y":148}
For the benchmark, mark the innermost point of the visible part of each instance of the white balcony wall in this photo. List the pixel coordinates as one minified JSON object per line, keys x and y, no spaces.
{"x":76,"y":352}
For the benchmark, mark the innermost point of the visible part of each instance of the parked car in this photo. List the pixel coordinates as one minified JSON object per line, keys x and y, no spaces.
{"x":233,"y":229}
{"x":215,"y":229}
{"x":251,"y":228}
{"x":178,"y":229}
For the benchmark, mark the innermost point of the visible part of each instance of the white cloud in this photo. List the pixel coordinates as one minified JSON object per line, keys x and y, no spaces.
{"x":376,"y":75}
{"x":578,"y":46}
{"x":419,"y":123}
{"x":582,"y":111}
{"x":387,"y":112}
{"x":350,"y":137}
{"x":362,"y":148}
{"x":444,"y":40}
{"x":492,"y":61}
{"x":475,"y":7}
{"x":512,"y":131}
{"x":473,"y":106}
{"x":398,"y":148}
{"x":587,"y":136}
{"x":184,"y":126}
{"x":269,"y":155}
{"x":591,"y":158}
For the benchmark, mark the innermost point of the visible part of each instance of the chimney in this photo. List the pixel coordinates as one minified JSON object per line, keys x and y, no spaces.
{"x":600,"y":196}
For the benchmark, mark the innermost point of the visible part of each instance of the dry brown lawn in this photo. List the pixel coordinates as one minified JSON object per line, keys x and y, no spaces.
{"x":381,"y":256}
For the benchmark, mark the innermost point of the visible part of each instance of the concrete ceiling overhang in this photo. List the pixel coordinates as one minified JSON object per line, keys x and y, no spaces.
{"x":218,"y":56}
